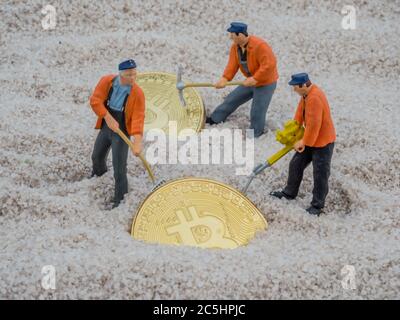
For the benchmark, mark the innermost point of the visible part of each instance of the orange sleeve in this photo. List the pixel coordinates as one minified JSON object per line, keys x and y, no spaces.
{"x":137,"y":123}
{"x":314,"y":111}
{"x":267,"y":61}
{"x":100,"y":95}
{"x":232,"y":66}
{"x":299,"y":112}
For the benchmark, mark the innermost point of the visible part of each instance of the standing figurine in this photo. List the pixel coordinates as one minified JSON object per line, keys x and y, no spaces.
{"x":119,"y":103}
{"x":316,"y":146}
{"x":256,"y":60}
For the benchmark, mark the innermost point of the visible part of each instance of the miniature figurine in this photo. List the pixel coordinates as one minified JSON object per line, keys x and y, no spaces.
{"x":316,"y":146}
{"x":119,"y":103}
{"x":256,"y":60}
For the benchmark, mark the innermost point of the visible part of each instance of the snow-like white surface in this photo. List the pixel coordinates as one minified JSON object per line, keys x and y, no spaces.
{"x":51,"y":214}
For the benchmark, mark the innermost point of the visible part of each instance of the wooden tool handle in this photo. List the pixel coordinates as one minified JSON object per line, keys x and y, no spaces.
{"x":130,"y":144}
{"x":209,"y":84}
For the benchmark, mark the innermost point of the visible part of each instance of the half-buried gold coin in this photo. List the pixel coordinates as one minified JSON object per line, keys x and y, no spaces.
{"x":197,"y":212}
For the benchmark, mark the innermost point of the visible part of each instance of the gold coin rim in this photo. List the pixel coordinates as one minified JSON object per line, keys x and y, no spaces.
{"x":198,"y":179}
{"x":202,"y":123}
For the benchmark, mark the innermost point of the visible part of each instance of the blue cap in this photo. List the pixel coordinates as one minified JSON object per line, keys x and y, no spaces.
{"x":128,"y":64}
{"x":237,"y":27}
{"x":299,"y":78}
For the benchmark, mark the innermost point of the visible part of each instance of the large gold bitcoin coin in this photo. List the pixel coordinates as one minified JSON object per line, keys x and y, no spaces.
{"x":163,"y":104}
{"x":197,"y":212}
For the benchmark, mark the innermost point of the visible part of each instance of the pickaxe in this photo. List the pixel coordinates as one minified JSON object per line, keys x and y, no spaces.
{"x":180,"y":85}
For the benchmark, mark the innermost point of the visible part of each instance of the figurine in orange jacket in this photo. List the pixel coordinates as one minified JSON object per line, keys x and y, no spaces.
{"x":257,"y":62}
{"x":118,"y":103}
{"x":317,"y":145}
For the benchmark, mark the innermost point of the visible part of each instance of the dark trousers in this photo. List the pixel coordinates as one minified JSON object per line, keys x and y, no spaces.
{"x":105,"y":140}
{"x":261,"y":99}
{"x":321,"y":160}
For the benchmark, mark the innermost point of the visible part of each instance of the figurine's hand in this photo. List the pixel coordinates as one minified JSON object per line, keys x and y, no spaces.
{"x":299,"y":146}
{"x":111,"y":122}
{"x":221,"y":83}
{"x":137,"y":146}
{"x":250,"y":82}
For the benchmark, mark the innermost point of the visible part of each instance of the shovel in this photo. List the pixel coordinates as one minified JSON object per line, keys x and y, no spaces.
{"x":143,"y":159}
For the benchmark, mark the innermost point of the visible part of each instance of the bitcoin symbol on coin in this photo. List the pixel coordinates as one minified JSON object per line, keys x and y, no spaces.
{"x":163,"y":104}
{"x":155,"y":116}
{"x":201,"y":231}
{"x":197,"y":212}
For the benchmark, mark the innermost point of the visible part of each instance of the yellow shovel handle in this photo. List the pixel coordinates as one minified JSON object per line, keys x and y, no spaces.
{"x":145,"y":163}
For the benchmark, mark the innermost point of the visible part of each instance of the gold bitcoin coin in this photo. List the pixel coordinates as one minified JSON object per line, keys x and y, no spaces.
{"x":163,"y":104}
{"x":197,"y":212}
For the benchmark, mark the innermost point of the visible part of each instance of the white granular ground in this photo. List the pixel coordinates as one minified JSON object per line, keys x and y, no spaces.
{"x":51,"y":214}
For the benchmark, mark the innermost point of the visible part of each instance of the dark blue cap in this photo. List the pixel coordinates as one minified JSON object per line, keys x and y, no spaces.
{"x":238,"y":27}
{"x":299,"y":78}
{"x":128,"y":64}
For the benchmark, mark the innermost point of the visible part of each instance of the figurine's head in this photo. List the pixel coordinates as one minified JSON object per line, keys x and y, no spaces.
{"x":127,"y":72}
{"x":238,"y":33}
{"x":301,"y":83}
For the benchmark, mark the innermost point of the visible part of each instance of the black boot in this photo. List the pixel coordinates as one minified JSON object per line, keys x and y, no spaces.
{"x":280,"y":195}
{"x":114,"y":204}
{"x":96,"y":174}
{"x":210,"y":121}
{"x":314,"y":211}
{"x":259,"y":135}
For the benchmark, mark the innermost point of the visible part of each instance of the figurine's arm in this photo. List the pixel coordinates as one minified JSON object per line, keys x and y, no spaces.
{"x":233,"y":65}
{"x":298,"y":116}
{"x":314,"y":112}
{"x":99,"y":96}
{"x":138,"y":121}
{"x":266,"y":60}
